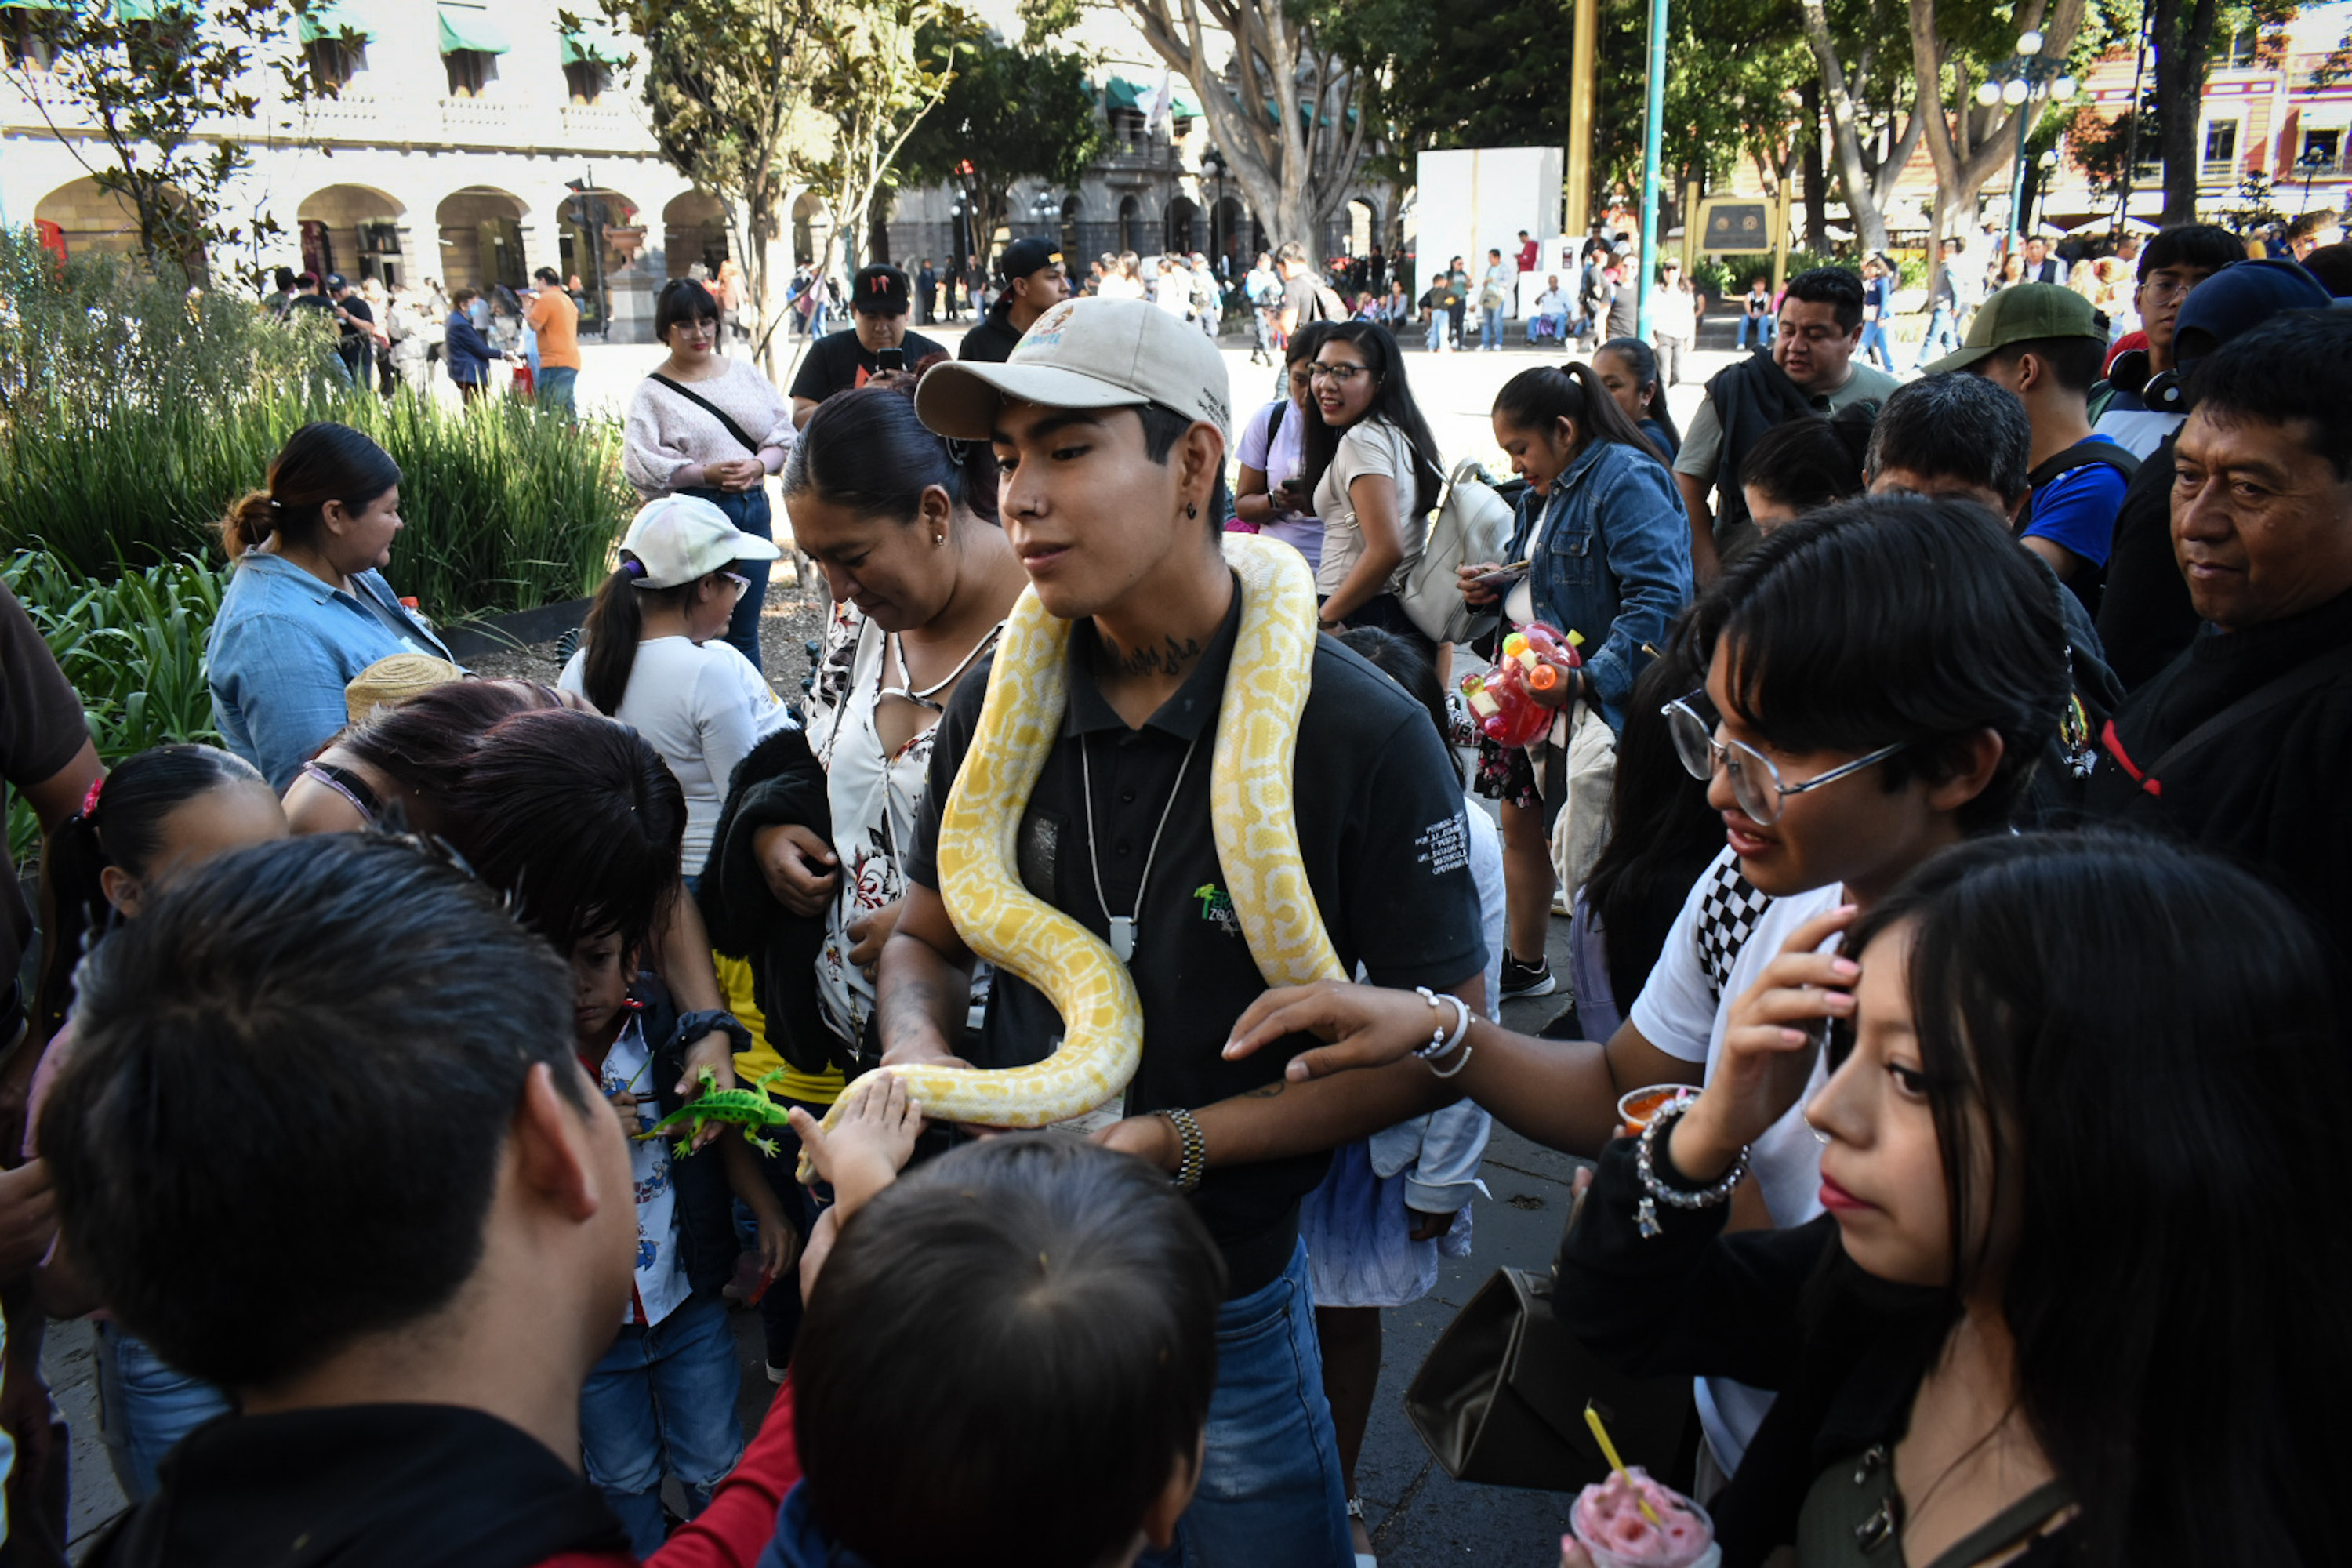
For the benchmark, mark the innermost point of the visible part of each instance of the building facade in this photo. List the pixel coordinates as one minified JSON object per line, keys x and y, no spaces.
{"x":469,"y":145}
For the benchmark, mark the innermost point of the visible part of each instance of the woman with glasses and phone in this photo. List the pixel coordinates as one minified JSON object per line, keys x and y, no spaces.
{"x":1273,"y":496}
{"x":708,"y":426}
{"x":1600,"y":548}
{"x":653,"y":656}
{"x":1372,"y":466}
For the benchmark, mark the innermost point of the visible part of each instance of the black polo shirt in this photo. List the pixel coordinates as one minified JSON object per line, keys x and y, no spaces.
{"x":1387,"y":849}
{"x":841,"y":362}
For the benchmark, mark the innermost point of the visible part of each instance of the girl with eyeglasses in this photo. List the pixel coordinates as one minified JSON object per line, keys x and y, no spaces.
{"x":1373,"y":469}
{"x":2072,"y":1295}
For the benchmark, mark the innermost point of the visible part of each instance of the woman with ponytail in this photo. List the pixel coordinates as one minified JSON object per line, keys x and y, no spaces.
{"x":1628,"y":367}
{"x":803,"y":884}
{"x":1604,"y":549}
{"x":157,"y":817}
{"x":309,"y":607}
{"x":653,"y":655}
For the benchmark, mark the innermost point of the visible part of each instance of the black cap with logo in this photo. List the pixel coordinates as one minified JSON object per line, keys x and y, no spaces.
{"x":1024,"y":256}
{"x":879,"y":290}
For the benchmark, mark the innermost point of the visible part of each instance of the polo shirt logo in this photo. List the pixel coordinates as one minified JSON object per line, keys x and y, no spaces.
{"x":1217,"y":908}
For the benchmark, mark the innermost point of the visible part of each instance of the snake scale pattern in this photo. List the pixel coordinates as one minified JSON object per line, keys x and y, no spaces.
{"x":1251,"y":820}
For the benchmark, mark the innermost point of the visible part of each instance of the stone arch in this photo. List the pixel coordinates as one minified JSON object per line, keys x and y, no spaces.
{"x":812,"y":226}
{"x":694,"y":228}
{"x":1228,"y":238}
{"x":90,"y":219}
{"x":1073,"y":238}
{"x":1130,"y":225}
{"x":481,"y":237}
{"x":1181,"y":234}
{"x":356,"y":230}
{"x":1363,"y":217}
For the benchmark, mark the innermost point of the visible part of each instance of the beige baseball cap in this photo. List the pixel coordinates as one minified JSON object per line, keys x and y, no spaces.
{"x":678,"y":538}
{"x":1084,"y":354}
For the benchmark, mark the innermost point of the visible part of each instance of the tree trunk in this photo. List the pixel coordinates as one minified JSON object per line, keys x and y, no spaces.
{"x":1816,"y":179}
{"x":2180,"y":80}
{"x":1960,"y":174}
{"x":1861,"y":200}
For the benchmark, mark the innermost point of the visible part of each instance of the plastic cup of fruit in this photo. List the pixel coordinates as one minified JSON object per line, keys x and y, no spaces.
{"x":1615,"y":1534}
{"x":1637,"y":1107}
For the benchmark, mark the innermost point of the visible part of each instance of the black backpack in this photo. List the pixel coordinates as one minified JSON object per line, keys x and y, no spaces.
{"x":2087,"y":585}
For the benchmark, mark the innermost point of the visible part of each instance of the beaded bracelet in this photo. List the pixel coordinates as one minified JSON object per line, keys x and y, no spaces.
{"x":1441,"y":1044}
{"x":1645,"y":1213}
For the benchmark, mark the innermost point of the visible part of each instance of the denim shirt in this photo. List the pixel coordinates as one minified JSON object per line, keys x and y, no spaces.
{"x":282,"y":650}
{"x":1614,"y":564}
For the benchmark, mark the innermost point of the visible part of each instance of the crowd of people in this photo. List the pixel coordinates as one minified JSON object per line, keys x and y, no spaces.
{"x":1938,"y":798}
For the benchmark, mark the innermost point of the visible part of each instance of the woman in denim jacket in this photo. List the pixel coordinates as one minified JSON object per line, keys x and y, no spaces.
{"x":1606,"y":548}
{"x":309,"y":607}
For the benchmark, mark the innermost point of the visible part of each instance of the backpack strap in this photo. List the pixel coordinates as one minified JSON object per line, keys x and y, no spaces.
{"x":710,"y":408}
{"x":2084,"y":454}
{"x":2279,"y":689}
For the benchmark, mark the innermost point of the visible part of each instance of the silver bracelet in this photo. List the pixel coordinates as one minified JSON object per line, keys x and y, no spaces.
{"x":1441,"y":1044}
{"x":1645,"y":1213}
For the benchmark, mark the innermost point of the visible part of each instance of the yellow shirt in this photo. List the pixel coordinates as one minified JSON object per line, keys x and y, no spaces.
{"x":809,"y":1089}
{"x":556,"y":320}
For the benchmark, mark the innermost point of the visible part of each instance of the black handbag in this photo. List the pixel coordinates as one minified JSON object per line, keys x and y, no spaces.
{"x":1500,"y":1398}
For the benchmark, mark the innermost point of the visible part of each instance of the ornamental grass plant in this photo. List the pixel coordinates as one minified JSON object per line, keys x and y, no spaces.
{"x":131,"y":415}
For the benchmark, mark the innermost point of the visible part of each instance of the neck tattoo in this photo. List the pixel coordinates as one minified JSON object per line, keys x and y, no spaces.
{"x":1168,"y":659}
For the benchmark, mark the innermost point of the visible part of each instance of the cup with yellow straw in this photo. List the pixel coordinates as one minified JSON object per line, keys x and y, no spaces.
{"x":1629,"y":1521}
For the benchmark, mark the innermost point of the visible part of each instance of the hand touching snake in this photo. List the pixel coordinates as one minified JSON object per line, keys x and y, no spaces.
{"x":1251,"y":821}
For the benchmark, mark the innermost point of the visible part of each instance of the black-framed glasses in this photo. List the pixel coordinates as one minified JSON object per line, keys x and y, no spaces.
{"x":1341,"y":374}
{"x":1755,"y":784}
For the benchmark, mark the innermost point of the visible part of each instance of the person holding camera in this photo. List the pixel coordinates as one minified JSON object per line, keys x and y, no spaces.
{"x":877,"y":341}
{"x":707,"y":425}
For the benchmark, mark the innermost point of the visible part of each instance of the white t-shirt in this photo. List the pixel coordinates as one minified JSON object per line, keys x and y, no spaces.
{"x":1682,"y":1011}
{"x":660,"y":1275}
{"x":1370,"y":446}
{"x":703,"y":708}
{"x":2139,"y":431}
{"x":1279,"y":461}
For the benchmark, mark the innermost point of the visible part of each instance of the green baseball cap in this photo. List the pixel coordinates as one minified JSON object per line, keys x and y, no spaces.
{"x":2022,"y":314}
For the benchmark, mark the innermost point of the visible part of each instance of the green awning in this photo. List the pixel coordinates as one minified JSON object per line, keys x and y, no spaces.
{"x":333,"y":18}
{"x":1122,"y":93}
{"x":594,"y":42}
{"x":148,"y":10}
{"x":36,"y":5}
{"x":470,"y":27}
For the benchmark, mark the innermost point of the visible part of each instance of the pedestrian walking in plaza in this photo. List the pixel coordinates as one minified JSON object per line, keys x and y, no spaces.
{"x":556,"y":320}
{"x":1674,"y":312}
{"x":1942,"y":334}
{"x":1494,"y":301}
{"x":1034,"y":281}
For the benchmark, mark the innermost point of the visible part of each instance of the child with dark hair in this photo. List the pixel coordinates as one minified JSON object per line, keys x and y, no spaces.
{"x":259,"y":1066}
{"x":1842,"y":745}
{"x":159,"y":817}
{"x":1074,"y":1387}
{"x":399,"y":763}
{"x":2056,"y":1066}
{"x":1804,"y":466}
{"x":577,"y":821}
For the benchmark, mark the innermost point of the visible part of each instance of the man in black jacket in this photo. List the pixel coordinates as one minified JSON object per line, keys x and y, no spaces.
{"x":1035,"y":280}
{"x":2240,"y":745}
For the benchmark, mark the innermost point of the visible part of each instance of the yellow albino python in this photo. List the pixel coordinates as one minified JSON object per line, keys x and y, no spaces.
{"x":1250,"y":817}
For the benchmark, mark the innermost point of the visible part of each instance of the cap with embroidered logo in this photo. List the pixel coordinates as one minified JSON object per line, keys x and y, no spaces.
{"x":1084,"y":353}
{"x":1024,"y":256}
{"x":879,"y":290}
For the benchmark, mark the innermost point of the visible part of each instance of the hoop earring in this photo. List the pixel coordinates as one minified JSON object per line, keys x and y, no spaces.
{"x":1191,"y":510}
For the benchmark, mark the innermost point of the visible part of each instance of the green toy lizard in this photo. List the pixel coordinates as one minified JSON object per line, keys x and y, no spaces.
{"x":745,"y":1108}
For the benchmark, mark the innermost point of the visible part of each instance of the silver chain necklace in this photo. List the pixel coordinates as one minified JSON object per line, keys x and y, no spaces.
{"x":1122,"y":927}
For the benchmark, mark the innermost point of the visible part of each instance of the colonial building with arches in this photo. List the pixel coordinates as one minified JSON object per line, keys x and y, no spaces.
{"x":469,"y":145}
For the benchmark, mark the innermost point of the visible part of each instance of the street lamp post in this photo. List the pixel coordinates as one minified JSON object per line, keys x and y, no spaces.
{"x":2037,"y":78}
{"x":2311,"y":163}
{"x":586,"y":189}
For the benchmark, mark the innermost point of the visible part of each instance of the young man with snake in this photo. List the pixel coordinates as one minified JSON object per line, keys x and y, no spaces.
{"x":1169,"y":794}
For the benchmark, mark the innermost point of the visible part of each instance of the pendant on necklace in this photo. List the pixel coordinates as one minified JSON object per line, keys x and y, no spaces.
{"x":1122,"y":937}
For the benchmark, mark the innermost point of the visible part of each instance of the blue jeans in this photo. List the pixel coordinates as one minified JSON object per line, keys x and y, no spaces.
{"x":1943,"y":334}
{"x":554,"y":389}
{"x":1764,"y":326}
{"x":748,"y":510}
{"x":1271,"y":1490}
{"x":1490,"y":329}
{"x":662,"y":1402}
{"x":147,"y":1407}
{"x":1436,"y":330}
{"x":1874,"y":341}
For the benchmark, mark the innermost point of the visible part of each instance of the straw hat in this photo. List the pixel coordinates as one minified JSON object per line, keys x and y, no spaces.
{"x":396,"y":680}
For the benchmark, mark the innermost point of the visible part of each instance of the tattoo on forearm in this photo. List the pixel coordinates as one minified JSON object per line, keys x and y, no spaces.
{"x":1168,"y":659}
{"x":1265,"y":1091}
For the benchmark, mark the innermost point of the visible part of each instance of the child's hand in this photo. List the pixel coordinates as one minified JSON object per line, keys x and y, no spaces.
{"x":626,"y":1103}
{"x":778,"y":1246}
{"x":876,"y":1137}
